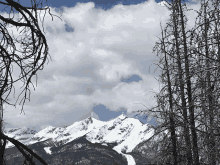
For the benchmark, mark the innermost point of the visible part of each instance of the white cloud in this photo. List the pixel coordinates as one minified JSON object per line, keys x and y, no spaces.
{"x":94,"y":115}
{"x":87,"y":64}
{"x":128,"y":95}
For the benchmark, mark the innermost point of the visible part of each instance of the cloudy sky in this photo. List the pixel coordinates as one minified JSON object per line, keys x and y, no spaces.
{"x":101,"y":53}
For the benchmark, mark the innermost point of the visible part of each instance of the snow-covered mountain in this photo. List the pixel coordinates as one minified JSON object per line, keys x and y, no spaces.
{"x":125,"y":133}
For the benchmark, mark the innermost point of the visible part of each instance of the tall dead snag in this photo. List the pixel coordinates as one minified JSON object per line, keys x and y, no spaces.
{"x":215,"y":115}
{"x":32,"y":59}
{"x":180,"y":82}
{"x":207,"y":51}
{"x":171,"y":113}
{"x":194,"y":78}
{"x":209,"y":94}
{"x":178,"y":71}
{"x":189,"y":87}
{"x":172,"y":100}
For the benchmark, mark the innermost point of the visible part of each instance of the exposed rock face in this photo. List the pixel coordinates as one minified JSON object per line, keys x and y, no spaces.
{"x":78,"y":151}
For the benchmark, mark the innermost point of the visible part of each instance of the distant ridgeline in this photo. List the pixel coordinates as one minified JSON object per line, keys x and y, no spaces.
{"x":90,"y":141}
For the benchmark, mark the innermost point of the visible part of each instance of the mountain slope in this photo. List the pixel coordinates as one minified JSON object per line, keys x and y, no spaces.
{"x":121,"y":134}
{"x":78,"y":151}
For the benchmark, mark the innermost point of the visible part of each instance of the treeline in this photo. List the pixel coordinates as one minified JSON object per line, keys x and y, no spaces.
{"x":188,"y":104}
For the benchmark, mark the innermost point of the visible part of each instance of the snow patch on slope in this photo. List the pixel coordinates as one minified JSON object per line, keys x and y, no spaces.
{"x":47,"y":149}
{"x":23,"y":135}
{"x":129,"y":158}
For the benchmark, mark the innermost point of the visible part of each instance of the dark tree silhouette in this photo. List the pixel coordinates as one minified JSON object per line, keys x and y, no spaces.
{"x":172,"y":100}
{"x":190,"y":71}
{"x":34,"y":55}
{"x":26,"y":162}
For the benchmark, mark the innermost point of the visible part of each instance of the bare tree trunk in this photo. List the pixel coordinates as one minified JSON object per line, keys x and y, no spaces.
{"x":2,"y":140}
{"x":171,"y":113}
{"x":211,"y":140}
{"x":181,"y":85}
{"x":176,"y":70}
{"x":189,"y":92}
{"x":190,"y":64}
{"x":208,"y":77}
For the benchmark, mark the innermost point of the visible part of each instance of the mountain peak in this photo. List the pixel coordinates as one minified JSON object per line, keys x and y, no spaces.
{"x":89,"y":120}
{"x":122,"y":116}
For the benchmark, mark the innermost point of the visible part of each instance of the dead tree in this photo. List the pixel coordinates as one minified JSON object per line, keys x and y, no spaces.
{"x":194,"y":71}
{"x":178,"y":70}
{"x":207,"y":52}
{"x":34,"y":55}
{"x":171,"y":107}
{"x":180,"y":81}
{"x":189,"y":88}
